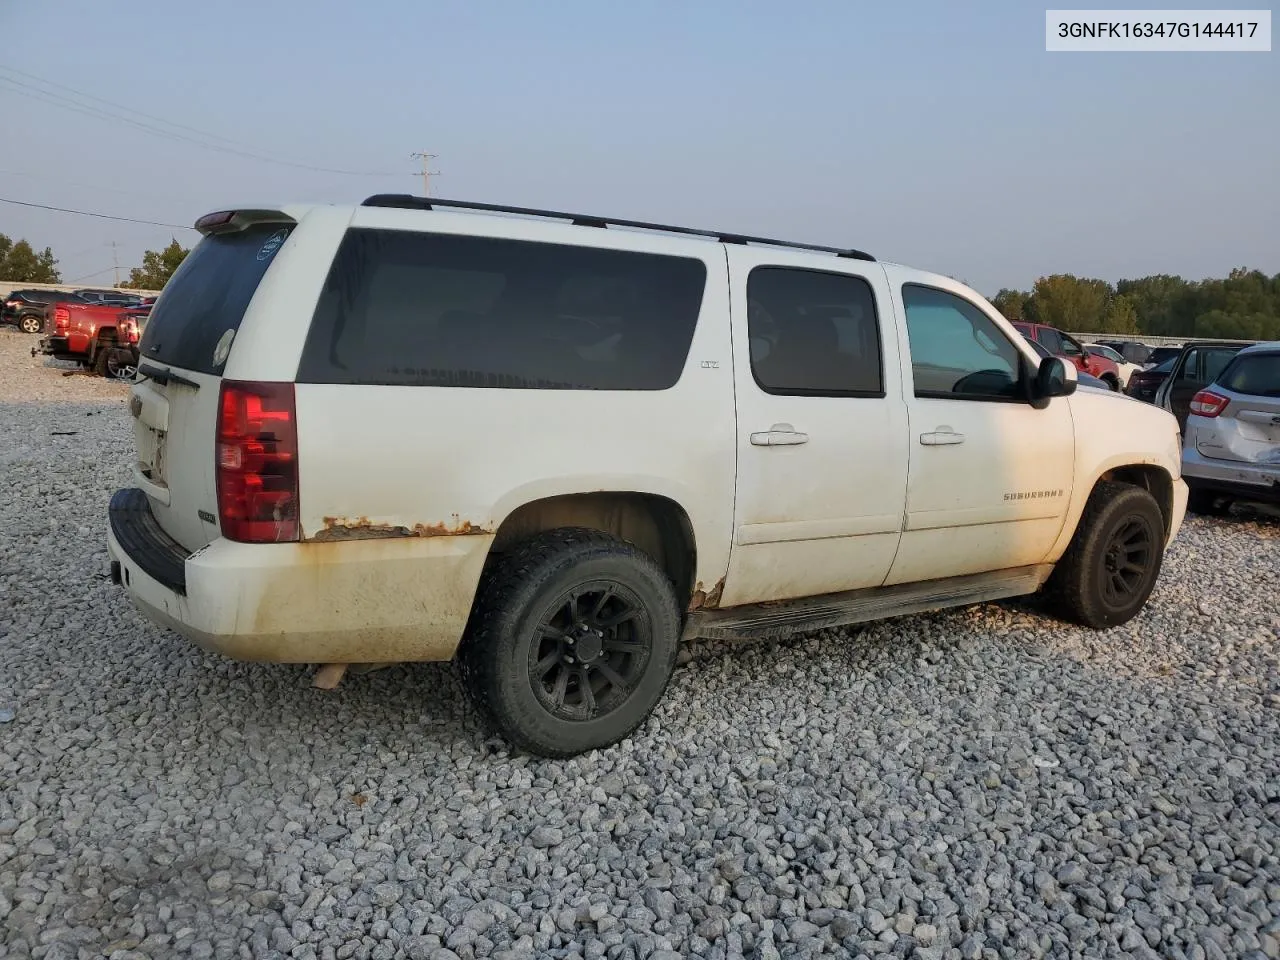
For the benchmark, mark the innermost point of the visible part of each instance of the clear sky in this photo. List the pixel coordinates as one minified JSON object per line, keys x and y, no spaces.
{"x":937,"y":134}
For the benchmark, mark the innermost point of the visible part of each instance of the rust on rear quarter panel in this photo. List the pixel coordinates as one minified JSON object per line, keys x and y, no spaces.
{"x":362,"y":528}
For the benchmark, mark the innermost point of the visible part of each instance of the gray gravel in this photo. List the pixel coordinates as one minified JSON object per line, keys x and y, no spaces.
{"x":982,"y":783}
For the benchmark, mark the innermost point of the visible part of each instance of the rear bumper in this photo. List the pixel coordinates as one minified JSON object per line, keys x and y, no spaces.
{"x":363,"y":601}
{"x":1248,"y":481}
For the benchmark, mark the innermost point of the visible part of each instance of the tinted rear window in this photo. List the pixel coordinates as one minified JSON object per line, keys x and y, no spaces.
{"x":207,"y":296}
{"x":423,"y":309}
{"x":1257,"y":375}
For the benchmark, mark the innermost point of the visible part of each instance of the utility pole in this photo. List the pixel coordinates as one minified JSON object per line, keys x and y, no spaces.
{"x":427,"y":173}
{"x":115,"y":261}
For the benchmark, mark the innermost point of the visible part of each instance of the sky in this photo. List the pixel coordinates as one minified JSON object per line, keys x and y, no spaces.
{"x":941,"y":135}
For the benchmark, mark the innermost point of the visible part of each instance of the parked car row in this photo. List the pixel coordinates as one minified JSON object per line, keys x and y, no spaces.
{"x":100,"y":336}
{"x":98,"y":329}
{"x":1224,"y":395}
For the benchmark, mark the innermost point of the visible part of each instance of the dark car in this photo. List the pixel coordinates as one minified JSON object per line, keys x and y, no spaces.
{"x":1144,"y":383}
{"x":1131,"y":350}
{"x":115,"y":298}
{"x":1161,"y":354}
{"x":25,"y":309}
{"x":1197,"y":365}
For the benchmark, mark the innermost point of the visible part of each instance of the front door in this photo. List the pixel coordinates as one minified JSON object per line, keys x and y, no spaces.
{"x":990,"y":476}
{"x":822,"y":430}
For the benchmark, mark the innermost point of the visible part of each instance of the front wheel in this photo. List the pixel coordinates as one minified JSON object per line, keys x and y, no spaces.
{"x":30,"y":324}
{"x":1111,"y":565}
{"x":572,"y":642}
{"x":1112,"y":383}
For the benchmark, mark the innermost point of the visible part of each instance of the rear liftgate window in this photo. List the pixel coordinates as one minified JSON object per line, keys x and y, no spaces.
{"x":192,"y":325}
{"x":421,"y":309}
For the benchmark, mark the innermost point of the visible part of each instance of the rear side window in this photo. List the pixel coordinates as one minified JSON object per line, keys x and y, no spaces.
{"x":191,"y":327}
{"x":1256,"y":374}
{"x":424,"y":309}
{"x":813,"y":333}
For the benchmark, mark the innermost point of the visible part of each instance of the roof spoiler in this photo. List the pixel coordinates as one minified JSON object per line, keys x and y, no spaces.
{"x":233,"y":221}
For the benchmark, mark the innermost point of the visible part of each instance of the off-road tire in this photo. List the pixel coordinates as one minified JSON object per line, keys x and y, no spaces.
{"x":1207,"y":503}
{"x":30,"y":323}
{"x":99,"y":365}
{"x":1075,"y":589}
{"x":516,"y":595}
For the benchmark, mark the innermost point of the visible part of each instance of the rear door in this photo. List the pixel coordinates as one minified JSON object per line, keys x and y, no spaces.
{"x":1248,"y":430}
{"x":183,"y":351}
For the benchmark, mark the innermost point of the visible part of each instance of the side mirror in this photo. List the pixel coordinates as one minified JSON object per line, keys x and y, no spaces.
{"x":1055,"y":378}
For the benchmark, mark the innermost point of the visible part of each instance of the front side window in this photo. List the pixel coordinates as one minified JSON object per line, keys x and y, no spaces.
{"x":1070,"y":348}
{"x":957,"y":351}
{"x":813,"y":333}
{"x":427,"y":309}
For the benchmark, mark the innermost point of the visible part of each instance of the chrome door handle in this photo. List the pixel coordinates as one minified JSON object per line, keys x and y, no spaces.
{"x":940,"y":437}
{"x":779,"y":435}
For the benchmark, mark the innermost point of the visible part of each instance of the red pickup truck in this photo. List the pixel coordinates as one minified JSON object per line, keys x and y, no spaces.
{"x":1063,"y":345}
{"x":103,"y":337}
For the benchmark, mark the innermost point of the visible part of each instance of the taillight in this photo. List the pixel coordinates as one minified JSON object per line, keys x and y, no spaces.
{"x":257,"y":462}
{"x":61,"y":317}
{"x":1206,"y":403}
{"x":129,"y":330}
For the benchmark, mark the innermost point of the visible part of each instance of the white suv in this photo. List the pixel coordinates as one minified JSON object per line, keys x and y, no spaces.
{"x":552,"y":446}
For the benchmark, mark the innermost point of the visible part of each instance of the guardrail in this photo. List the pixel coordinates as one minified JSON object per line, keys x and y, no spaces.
{"x":1148,"y":340}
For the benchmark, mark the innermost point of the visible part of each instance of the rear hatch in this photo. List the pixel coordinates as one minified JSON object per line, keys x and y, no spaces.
{"x":1248,"y":429}
{"x":183,"y":350}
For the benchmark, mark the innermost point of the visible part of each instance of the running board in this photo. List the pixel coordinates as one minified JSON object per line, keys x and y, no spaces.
{"x":785,"y":618}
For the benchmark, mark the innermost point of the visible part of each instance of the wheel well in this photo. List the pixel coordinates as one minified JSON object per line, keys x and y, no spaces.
{"x":658,"y":526}
{"x":1154,"y":480}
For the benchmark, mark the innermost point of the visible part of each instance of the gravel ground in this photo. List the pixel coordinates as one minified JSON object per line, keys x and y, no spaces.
{"x":981,"y":783}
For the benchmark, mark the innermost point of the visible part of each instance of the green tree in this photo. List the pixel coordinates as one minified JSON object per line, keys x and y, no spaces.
{"x":1012,"y":304}
{"x":157,"y":267}
{"x":1071,"y":303}
{"x":1158,"y":301}
{"x":1121,"y":316}
{"x":19,"y":262}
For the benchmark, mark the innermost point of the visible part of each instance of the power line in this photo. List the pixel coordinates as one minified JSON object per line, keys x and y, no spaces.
{"x":100,"y":216}
{"x":96,"y":273}
{"x":67,"y":103}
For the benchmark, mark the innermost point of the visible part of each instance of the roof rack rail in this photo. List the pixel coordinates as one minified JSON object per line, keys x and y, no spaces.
{"x":411,"y":202}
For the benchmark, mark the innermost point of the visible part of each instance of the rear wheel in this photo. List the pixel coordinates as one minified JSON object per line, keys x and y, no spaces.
{"x":118,"y":370}
{"x":572,"y":642}
{"x":1208,"y":503}
{"x":1111,"y":382}
{"x":1111,"y":566}
{"x":30,"y":324}
{"x":100,"y":360}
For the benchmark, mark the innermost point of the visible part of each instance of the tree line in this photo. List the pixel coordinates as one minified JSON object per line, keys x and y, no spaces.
{"x":1243,"y":306}
{"x":22,"y":263}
